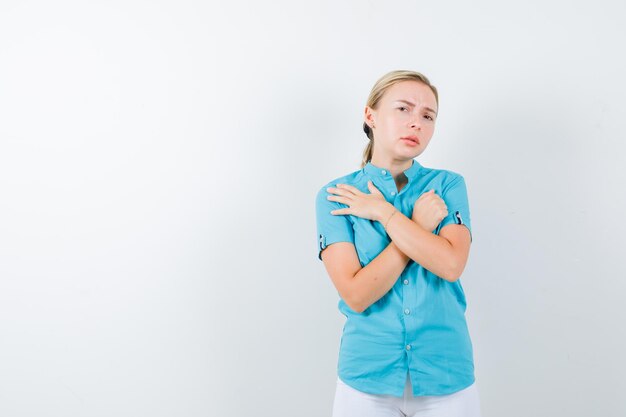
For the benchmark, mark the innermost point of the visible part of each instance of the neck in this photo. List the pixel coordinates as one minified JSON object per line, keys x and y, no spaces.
{"x":395,"y":167}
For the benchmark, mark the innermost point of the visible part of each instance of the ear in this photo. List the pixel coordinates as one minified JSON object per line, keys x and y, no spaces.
{"x":369,"y":115}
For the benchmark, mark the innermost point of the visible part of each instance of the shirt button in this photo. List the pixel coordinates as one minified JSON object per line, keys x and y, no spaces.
{"x":393,"y":193}
{"x":408,"y":347}
{"x":407,"y":311}
{"x":383,"y":172}
{"x":406,"y":282}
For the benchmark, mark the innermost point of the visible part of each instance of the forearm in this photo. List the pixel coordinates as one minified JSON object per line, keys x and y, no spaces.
{"x":433,"y":252}
{"x":376,"y":278}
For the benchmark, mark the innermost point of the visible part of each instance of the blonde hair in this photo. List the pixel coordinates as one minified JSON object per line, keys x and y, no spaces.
{"x":380,"y":87}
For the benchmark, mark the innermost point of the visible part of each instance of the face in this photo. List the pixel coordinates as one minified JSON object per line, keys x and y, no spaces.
{"x":404,"y":120}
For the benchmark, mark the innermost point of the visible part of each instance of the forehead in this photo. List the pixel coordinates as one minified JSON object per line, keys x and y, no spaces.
{"x":413,"y":91}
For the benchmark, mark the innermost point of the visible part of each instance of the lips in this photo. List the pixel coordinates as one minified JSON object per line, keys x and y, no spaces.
{"x":411,"y":138}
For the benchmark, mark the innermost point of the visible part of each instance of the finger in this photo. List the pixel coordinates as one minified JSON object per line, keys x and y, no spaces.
{"x":432,"y":195}
{"x":338,"y":191}
{"x":426,"y":194}
{"x":340,"y":212}
{"x":373,"y":188}
{"x":439,"y":199}
{"x":339,"y":199}
{"x":442,"y":206}
{"x":350,"y":188}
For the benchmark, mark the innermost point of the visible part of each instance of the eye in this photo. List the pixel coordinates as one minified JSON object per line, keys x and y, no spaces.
{"x":402,"y":107}
{"x":429,"y":117}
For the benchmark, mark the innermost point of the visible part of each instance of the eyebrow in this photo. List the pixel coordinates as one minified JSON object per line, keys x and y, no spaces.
{"x":412,"y":104}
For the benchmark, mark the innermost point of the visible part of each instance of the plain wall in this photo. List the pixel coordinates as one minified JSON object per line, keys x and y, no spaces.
{"x":158,"y":168}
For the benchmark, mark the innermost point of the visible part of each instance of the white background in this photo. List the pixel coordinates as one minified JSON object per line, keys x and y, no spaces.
{"x":158,"y":169}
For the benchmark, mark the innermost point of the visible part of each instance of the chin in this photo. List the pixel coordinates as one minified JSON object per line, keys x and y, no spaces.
{"x":418,"y":152}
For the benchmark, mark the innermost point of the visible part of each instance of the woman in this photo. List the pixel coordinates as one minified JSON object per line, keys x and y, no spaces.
{"x":394,"y":237}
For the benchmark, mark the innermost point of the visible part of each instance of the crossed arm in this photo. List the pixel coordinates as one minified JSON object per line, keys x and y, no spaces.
{"x":445,"y":255}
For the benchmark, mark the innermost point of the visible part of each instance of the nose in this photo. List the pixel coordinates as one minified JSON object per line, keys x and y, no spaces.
{"x":416,"y":122}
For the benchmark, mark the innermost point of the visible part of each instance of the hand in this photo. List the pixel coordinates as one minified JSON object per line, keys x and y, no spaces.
{"x":429,"y":210}
{"x":368,"y":206}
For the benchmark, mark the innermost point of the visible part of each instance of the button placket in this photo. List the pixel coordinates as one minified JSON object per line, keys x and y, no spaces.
{"x":389,"y":184}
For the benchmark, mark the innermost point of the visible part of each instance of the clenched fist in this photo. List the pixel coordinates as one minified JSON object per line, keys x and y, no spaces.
{"x":429,"y":210}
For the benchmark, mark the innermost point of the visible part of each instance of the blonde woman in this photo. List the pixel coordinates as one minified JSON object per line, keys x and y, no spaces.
{"x":394,"y":237}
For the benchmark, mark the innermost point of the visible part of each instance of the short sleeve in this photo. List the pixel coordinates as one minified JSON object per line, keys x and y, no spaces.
{"x":455,"y":197}
{"x":331,"y":228}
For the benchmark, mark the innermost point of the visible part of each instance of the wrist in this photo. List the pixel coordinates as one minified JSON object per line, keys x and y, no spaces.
{"x":385,"y":212}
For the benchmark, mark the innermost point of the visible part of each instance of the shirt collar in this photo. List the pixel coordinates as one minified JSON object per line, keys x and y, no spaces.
{"x":375,"y":171}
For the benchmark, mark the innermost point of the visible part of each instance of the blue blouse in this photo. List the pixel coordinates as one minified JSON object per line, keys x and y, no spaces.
{"x":419,"y":326}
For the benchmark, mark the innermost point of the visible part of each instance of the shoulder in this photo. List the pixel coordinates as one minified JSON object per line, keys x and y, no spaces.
{"x":452,"y":184}
{"x":444,"y":177}
{"x":452,"y":177}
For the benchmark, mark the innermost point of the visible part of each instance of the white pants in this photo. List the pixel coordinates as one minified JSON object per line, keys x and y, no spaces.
{"x":350,"y":402}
